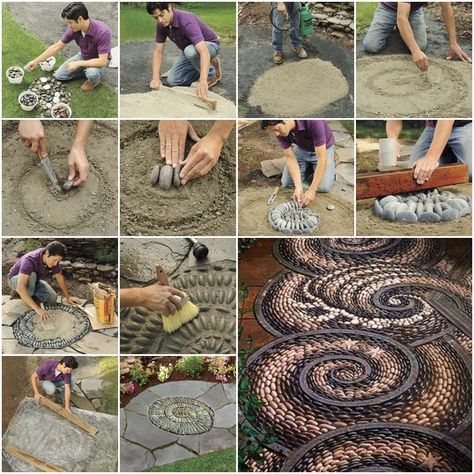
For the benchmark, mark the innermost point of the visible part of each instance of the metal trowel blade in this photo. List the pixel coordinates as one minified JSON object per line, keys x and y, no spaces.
{"x":49,"y":171}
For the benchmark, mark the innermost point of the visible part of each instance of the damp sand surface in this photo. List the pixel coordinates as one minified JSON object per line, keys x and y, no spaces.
{"x":62,"y":325}
{"x":301,"y":96}
{"x":392,"y":86}
{"x":253,"y":212}
{"x":166,"y":103}
{"x":205,"y":206}
{"x":369,"y":224}
{"x":30,"y":204}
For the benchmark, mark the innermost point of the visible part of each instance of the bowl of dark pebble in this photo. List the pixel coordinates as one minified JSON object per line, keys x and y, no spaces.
{"x":61,"y":111}
{"x":48,"y":64}
{"x":28,"y":100}
{"x":15,"y":75}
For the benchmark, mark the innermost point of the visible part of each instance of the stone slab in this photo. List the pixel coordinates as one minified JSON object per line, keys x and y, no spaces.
{"x":230,"y":390}
{"x":96,"y":343}
{"x":225,"y":417}
{"x":215,"y":440}
{"x":190,"y":442}
{"x":123,"y":421}
{"x":134,"y":458}
{"x":92,"y":388}
{"x":12,"y":310}
{"x":7,"y":332}
{"x":11,"y":346}
{"x":215,"y":397}
{"x":171,"y":454}
{"x":189,"y":388}
{"x":40,"y":431}
{"x":141,"y":403}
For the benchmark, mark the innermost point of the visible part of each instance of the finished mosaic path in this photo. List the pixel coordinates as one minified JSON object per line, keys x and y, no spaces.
{"x":370,"y":368}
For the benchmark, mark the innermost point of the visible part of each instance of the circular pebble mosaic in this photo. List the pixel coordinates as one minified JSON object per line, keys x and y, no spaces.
{"x":290,"y":218}
{"x":181,"y":415}
{"x":428,"y":206}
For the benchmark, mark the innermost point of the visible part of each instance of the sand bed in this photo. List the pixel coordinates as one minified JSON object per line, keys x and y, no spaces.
{"x":205,"y":206}
{"x":165,"y":103}
{"x":32,"y":207}
{"x":298,"y":89}
{"x":253,"y":212}
{"x":392,"y":86}
{"x":369,"y":224}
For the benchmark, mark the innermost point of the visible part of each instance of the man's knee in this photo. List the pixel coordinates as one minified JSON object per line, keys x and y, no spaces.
{"x":61,"y":74}
{"x":372,"y":45}
{"x":191,"y":52}
{"x":93,"y":74}
{"x":48,"y":387}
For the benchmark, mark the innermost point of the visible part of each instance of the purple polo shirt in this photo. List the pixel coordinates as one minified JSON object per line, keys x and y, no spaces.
{"x":33,"y":262}
{"x":414,"y":6}
{"x":46,"y":371}
{"x":309,"y":134}
{"x":186,"y":29}
{"x":96,"y":41}
{"x":457,"y":123}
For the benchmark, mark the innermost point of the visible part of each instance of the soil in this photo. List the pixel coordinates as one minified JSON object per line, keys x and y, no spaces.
{"x":176,"y":376}
{"x":30,"y":204}
{"x":136,"y":56}
{"x":274,"y":95}
{"x":395,"y":87}
{"x":166,"y":103}
{"x":369,"y":224}
{"x":205,"y":206}
{"x":256,"y":58}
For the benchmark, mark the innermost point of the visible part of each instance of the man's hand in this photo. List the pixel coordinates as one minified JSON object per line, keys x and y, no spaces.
{"x":308,"y":197}
{"x":32,"y":134}
{"x":78,"y":165}
{"x":73,"y":65}
{"x":298,"y":195}
{"x":173,"y":135}
{"x":68,"y":409}
{"x":281,"y":9}
{"x":32,"y":65}
{"x":202,"y":157}
{"x":38,"y":397}
{"x":73,"y":300}
{"x":155,"y":84}
{"x":202,"y":89}
{"x":456,"y":50}
{"x":161,"y":299}
{"x":44,"y":315}
{"x":423,"y":168}
{"x":421,"y":60}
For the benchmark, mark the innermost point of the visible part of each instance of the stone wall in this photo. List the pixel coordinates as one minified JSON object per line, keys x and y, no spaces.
{"x":338,"y":22}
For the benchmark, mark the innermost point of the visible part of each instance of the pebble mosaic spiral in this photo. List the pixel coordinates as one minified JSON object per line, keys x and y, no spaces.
{"x":375,"y":447}
{"x":391,"y":299}
{"x":314,"y":383}
{"x":290,"y":218}
{"x":181,"y":415}
{"x":27,"y":328}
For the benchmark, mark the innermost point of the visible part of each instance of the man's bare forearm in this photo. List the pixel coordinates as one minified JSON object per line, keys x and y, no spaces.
{"x":157,"y":59}
{"x":83,"y":129}
{"x":222,"y":129}
{"x":51,"y":51}
{"x":449,"y":21}
{"x":393,"y":128}
{"x":26,"y":298}
{"x":441,"y":135}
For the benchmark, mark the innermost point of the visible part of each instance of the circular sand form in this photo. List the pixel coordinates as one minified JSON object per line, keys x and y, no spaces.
{"x":205,"y":206}
{"x":166,"y":103}
{"x":392,"y":86}
{"x":298,"y":88}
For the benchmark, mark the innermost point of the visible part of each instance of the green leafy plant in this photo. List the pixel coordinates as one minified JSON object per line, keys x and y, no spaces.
{"x":221,"y":368}
{"x":164,"y":372}
{"x":138,"y":374}
{"x":106,"y":256}
{"x":192,"y":366}
{"x":31,"y":244}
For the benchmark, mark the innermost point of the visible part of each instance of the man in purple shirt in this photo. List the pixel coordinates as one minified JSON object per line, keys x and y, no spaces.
{"x":409,"y":19}
{"x":309,"y":147}
{"x":94,"y":40}
{"x":54,"y":375}
{"x":199,"y":47}
{"x":27,"y":275}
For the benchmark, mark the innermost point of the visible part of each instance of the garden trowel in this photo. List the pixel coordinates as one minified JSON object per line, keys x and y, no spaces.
{"x":47,"y":167}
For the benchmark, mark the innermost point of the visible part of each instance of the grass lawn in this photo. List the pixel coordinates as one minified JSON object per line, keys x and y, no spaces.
{"x":365,"y":13}
{"x":219,"y":461}
{"x":137,"y":24}
{"x":20,"y":47}
{"x":108,"y":373}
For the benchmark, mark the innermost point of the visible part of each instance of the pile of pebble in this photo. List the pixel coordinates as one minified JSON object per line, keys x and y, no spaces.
{"x":428,"y":206}
{"x":165,"y":176}
{"x":290,"y":218}
{"x":50,"y":92}
{"x":337,"y":22}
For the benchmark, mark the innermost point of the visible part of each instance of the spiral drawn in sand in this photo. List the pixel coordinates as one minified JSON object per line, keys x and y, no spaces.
{"x":71,"y":325}
{"x":316,"y":382}
{"x":377,"y":447}
{"x":318,"y":256}
{"x":391,"y":299}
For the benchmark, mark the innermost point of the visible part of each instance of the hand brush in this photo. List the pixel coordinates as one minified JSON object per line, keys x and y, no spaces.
{"x":188,"y":311}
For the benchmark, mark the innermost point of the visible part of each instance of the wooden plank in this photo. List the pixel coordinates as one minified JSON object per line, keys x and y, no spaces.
{"x":87,"y":427}
{"x":383,"y":183}
{"x":30,"y":459}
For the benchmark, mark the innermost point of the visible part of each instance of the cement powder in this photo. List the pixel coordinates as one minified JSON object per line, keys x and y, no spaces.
{"x":298,"y":89}
{"x":165,"y":103}
{"x":392,"y":86}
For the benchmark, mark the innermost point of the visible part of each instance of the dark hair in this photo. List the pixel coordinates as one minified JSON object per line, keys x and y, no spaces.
{"x":74,"y":10}
{"x":70,"y":362}
{"x":56,"y":248}
{"x":152,"y":6}
{"x":269,"y":123}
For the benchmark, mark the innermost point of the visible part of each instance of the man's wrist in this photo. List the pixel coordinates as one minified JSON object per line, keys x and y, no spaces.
{"x":432,"y":157}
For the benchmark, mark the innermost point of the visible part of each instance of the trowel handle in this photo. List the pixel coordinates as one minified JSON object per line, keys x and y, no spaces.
{"x":212,"y":104}
{"x":161,"y":275}
{"x":41,"y":152}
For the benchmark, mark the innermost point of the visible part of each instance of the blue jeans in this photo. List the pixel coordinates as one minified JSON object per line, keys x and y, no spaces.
{"x":50,"y":388}
{"x":384,"y":22}
{"x":293,"y":10}
{"x":187,"y":68}
{"x":458,"y":148}
{"x":41,"y":290}
{"x":307,"y":162}
{"x":93,"y":74}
